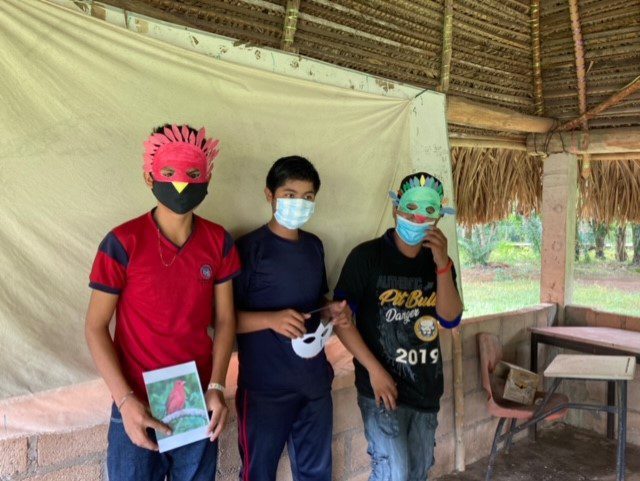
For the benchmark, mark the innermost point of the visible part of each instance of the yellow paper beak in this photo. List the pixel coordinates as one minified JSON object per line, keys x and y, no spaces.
{"x":180,"y":186}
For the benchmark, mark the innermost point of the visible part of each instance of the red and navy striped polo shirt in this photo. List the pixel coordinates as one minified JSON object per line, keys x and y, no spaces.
{"x":166,"y":293}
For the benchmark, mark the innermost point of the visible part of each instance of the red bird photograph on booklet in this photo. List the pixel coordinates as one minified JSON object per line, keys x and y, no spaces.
{"x":176,"y":399}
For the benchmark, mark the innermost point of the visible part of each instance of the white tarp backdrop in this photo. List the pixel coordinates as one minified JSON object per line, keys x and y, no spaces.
{"x":78,"y":98}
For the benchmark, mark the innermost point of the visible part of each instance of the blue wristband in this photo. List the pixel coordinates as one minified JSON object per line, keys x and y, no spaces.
{"x":449,"y":324}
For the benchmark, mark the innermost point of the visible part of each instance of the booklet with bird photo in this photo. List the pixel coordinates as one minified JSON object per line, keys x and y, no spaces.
{"x":176,"y":399}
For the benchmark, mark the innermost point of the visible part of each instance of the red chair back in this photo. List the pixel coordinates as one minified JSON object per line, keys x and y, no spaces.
{"x":490,"y":355}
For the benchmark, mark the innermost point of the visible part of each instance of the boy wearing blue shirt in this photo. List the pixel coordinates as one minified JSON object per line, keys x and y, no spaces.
{"x":284,"y":381}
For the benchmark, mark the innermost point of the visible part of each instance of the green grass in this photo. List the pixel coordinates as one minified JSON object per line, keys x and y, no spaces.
{"x":609,"y":255}
{"x":481,"y":298}
{"x":606,"y":299}
{"x":603,"y":269}
{"x":507,"y":253}
{"x":511,"y":281}
{"x":497,"y":296}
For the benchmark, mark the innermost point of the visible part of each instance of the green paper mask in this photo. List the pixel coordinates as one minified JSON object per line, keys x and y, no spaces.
{"x":423,"y":201}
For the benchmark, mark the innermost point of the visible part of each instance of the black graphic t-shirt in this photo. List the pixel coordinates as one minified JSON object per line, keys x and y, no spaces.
{"x":394,"y":301}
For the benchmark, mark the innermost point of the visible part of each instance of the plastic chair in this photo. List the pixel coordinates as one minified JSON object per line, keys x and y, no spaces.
{"x":490,"y":355}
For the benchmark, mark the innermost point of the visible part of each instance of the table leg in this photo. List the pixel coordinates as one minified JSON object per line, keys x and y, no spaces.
{"x":534,"y":353}
{"x":533,"y":367}
{"x":622,"y":431}
{"x":611,"y":401}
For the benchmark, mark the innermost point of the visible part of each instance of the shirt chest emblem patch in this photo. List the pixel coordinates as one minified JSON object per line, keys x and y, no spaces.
{"x":206,"y":272}
{"x":426,"y":328}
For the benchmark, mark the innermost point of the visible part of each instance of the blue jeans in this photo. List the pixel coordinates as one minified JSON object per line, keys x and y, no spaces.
{"x":128,"y":462}
{"x":401,"y":442}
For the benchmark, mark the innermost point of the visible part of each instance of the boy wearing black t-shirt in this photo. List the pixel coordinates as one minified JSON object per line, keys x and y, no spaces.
{"x":400,"y":287}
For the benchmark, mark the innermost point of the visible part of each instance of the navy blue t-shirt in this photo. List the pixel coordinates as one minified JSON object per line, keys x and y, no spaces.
{"x":279,"y":274}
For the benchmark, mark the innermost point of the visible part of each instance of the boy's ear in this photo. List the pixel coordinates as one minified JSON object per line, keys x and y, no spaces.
{"x":148,"y":179}
{"x":268,"y":194}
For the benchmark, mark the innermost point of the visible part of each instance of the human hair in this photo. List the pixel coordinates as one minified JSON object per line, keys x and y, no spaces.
{"x":292,"y":167}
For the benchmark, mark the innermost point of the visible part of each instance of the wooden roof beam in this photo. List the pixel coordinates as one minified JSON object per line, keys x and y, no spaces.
{"x":535,"y":52}
{"x":486,"y":142}
{"x":615,"y":157}
{"x":601,"y":141}
{"x":615,"y":99}
{"x":578,"y":47}
{"x":447,"y":47}
{"x":291,"y":12}
{"x":462,"y":111}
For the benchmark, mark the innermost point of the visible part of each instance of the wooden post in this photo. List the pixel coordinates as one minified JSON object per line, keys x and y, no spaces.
{"x":458,"y":399}
{"x":456,"y":340}
{"x":559,"y":198}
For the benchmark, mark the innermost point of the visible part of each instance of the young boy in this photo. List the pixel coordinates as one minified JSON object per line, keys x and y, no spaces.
{"x":400,"y":286}
{"x":166,"y":275}
{"x":283,"y":397}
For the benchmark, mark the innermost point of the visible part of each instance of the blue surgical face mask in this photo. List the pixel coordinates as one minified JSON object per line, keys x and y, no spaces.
{"x":410,"y":232}
{"x":293,"y":213}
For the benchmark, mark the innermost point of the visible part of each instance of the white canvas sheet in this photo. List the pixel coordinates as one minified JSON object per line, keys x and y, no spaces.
{"x":79,"y":96}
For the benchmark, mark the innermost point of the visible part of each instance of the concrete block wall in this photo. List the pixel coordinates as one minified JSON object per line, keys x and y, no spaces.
{"x":71,"y":456}
{"x":78,"y":453}
{"x":595,"y":391}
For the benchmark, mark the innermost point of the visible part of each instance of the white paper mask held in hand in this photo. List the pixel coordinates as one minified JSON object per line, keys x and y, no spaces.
{"x":310,"y":345}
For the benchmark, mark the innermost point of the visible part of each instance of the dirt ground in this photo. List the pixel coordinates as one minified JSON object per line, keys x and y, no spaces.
{"x":561,"y":453}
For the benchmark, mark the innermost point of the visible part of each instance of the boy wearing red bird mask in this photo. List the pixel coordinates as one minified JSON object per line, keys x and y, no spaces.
{"x":166,"y":275}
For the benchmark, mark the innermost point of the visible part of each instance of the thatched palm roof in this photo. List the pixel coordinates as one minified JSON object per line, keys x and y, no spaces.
{"x":611,"y":193}
{"x":555,"y":58}
{"x":490,"y":182}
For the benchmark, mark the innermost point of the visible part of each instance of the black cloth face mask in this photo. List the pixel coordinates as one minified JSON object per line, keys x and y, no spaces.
{"x":179,"y":202}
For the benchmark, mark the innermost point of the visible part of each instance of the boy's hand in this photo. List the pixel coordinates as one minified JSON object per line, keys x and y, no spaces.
{"x":437,"y":242}
{"x":289,"y":323}
{"x":218,"y":407}
{"x":340,"y":313}
{"x":384,"y":388}
{"x":136,"y":419}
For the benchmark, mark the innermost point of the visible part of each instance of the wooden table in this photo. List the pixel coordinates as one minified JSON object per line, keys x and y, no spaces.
{"x":593,"y":340}
{"x":616,"y":369}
